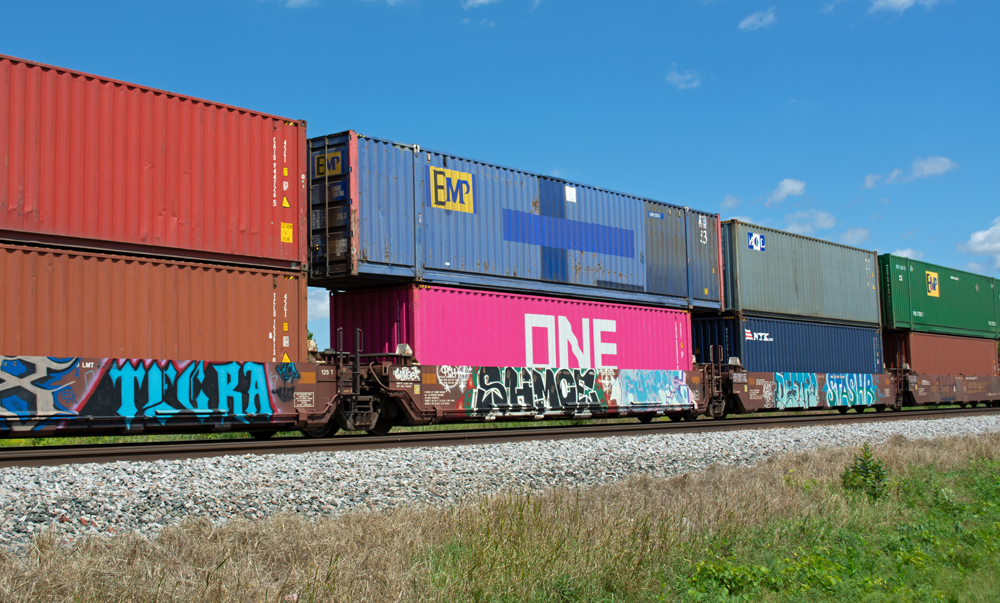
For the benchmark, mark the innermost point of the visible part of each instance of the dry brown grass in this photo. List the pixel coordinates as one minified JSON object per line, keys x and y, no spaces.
{"x":618,"y":532}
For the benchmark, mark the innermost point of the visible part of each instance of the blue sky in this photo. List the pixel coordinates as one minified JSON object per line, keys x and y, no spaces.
{"x":871,"y":122}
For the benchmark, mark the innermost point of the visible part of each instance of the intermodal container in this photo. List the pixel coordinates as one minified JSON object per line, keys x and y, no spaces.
{"x":97,"y":164}
{"x":933,"y":354}
{"x":778,"y":274}
{"x":68,"y":303}
{"x":467,"y":327}
{"x":786,"y":346}
{"x":384,"y":211}
{"x":934,"y":299}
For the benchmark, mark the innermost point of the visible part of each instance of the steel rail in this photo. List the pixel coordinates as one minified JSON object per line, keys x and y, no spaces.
{"x":107,"y":453}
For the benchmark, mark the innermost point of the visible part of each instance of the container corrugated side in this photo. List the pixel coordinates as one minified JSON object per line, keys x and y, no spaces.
{"x":383,"y":211}
{"x":933,"y":354}
{"x":98,"y":164}
{"x":936,"y":299}
{"x":787,"y":346}
{"x":66,"y":303}
{"x":465,"y":327}
{"x":783,"y":275}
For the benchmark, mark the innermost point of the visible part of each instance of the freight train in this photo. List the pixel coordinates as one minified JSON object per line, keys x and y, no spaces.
{"x":461,"y":291}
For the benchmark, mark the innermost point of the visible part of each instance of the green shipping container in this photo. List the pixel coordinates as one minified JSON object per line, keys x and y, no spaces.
{"x":924,"y":297}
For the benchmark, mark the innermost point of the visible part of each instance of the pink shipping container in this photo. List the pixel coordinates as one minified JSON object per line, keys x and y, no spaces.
{"x":447,"y":326}
{"x":95,"y":163}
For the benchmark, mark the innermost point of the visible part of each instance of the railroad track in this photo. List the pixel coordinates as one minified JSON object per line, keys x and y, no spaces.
{"x":106,"y":453}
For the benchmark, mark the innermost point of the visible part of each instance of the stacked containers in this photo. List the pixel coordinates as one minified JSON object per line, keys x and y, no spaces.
{"x":450,"y":326}
{"x":97,"y":165}
{"x":794,"y":303}
{"x":938,"y":320}
{"x":384,"y":212}
{"x":471,"y":242}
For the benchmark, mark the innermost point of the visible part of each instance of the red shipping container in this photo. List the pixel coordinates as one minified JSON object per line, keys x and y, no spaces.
{"x":70,"y":304}
{"x":449,"y":326}
{"x":95,"y":163}
{"x":933,"y":354}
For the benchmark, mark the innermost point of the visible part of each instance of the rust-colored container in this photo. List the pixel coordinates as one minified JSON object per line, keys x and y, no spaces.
{"x":99,"y":164}
{"x":65,"y":303}
{"x":933,"y":354}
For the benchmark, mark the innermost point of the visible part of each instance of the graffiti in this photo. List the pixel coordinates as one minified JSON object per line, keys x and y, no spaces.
{"x":767,"y":388}
{"x":796,"y":390}
{"x":506,"y":389}
{"x":406,"y":373}
{"x":638,"y":388}
{"x":31,"y":390}
{"x":451,"y":377}
{"x":851,"y":390}
{"x":288,"y":372}
{"x":39,"y":393}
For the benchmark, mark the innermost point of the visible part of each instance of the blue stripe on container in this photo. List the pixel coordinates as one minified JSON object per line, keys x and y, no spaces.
{"x":546,"y":231}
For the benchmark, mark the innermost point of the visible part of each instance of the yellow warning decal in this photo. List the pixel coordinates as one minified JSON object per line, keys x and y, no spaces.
{"x":285,"y":358}
{"x":285,"y":326}
{"x":284,"y":202}
{"x":284,"y":171}
{"x":286,"y":233}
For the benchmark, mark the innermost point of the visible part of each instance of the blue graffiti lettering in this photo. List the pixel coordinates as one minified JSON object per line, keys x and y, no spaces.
{"x":129,"y":377}
{"x":258,"y":400}
{"x":796,"y":390}
{"x":850,"y":390}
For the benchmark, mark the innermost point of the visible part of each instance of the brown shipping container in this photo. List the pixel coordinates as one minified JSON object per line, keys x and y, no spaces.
{"x":65,"y":303}
{"x":99,"y":164}
{"x":932,"y":354}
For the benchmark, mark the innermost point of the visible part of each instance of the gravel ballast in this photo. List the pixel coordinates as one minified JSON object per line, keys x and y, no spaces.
{"x":118,"y":497}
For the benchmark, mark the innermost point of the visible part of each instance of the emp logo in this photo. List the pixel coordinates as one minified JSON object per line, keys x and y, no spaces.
{"x":330,"y":164}
{"x":451,"y":189}
{"x":755,"y":241}
{"x":932,"y":284}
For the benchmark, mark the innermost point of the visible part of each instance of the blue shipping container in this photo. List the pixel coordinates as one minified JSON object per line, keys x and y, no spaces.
{"x":769,"y":345}
{"x":383,"y":211}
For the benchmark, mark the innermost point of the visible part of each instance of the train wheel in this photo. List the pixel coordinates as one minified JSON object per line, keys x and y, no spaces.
{"x":676,"y":417}
{"x":973,"y":404}
{"x":325,"y":430}
{"x":263,"y":435}
{"x":690,"y":416}
{"x":859,"y":409}
{"x":880,"y":408}
{"x":386,"y":419}
{"x":843,"y":410}
{"x":645,"y":419}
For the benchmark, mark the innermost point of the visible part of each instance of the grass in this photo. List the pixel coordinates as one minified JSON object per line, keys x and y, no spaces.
{"x":785,"y":530}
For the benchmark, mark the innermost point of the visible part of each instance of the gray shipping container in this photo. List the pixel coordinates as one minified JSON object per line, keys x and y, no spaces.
{"x":771,"y":273}
{"x":384,"y":212}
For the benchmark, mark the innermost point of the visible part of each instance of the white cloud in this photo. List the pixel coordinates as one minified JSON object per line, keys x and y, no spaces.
{"x":976,"y":267}
{"x":319,"y":303}
{"x":898,"y":5}
{"x":932,"y":166}
{"x":684,"y":80}
{"x":855,"y":236}
{"x":788,"y":186}
{"x":913,"y":254}
{"x":895,"y":176}
{"x":745,"y":219}
{"x":885,"y":200}
{"x":759,"y":19}
{"x":480,"y":23}
{"x":535,"y":4}
{"x":985,"y":242}
{"x":731,"y":202}
{"x":871,"y":180}
{"x":809,"y":221}
{"x":475,"y":3}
